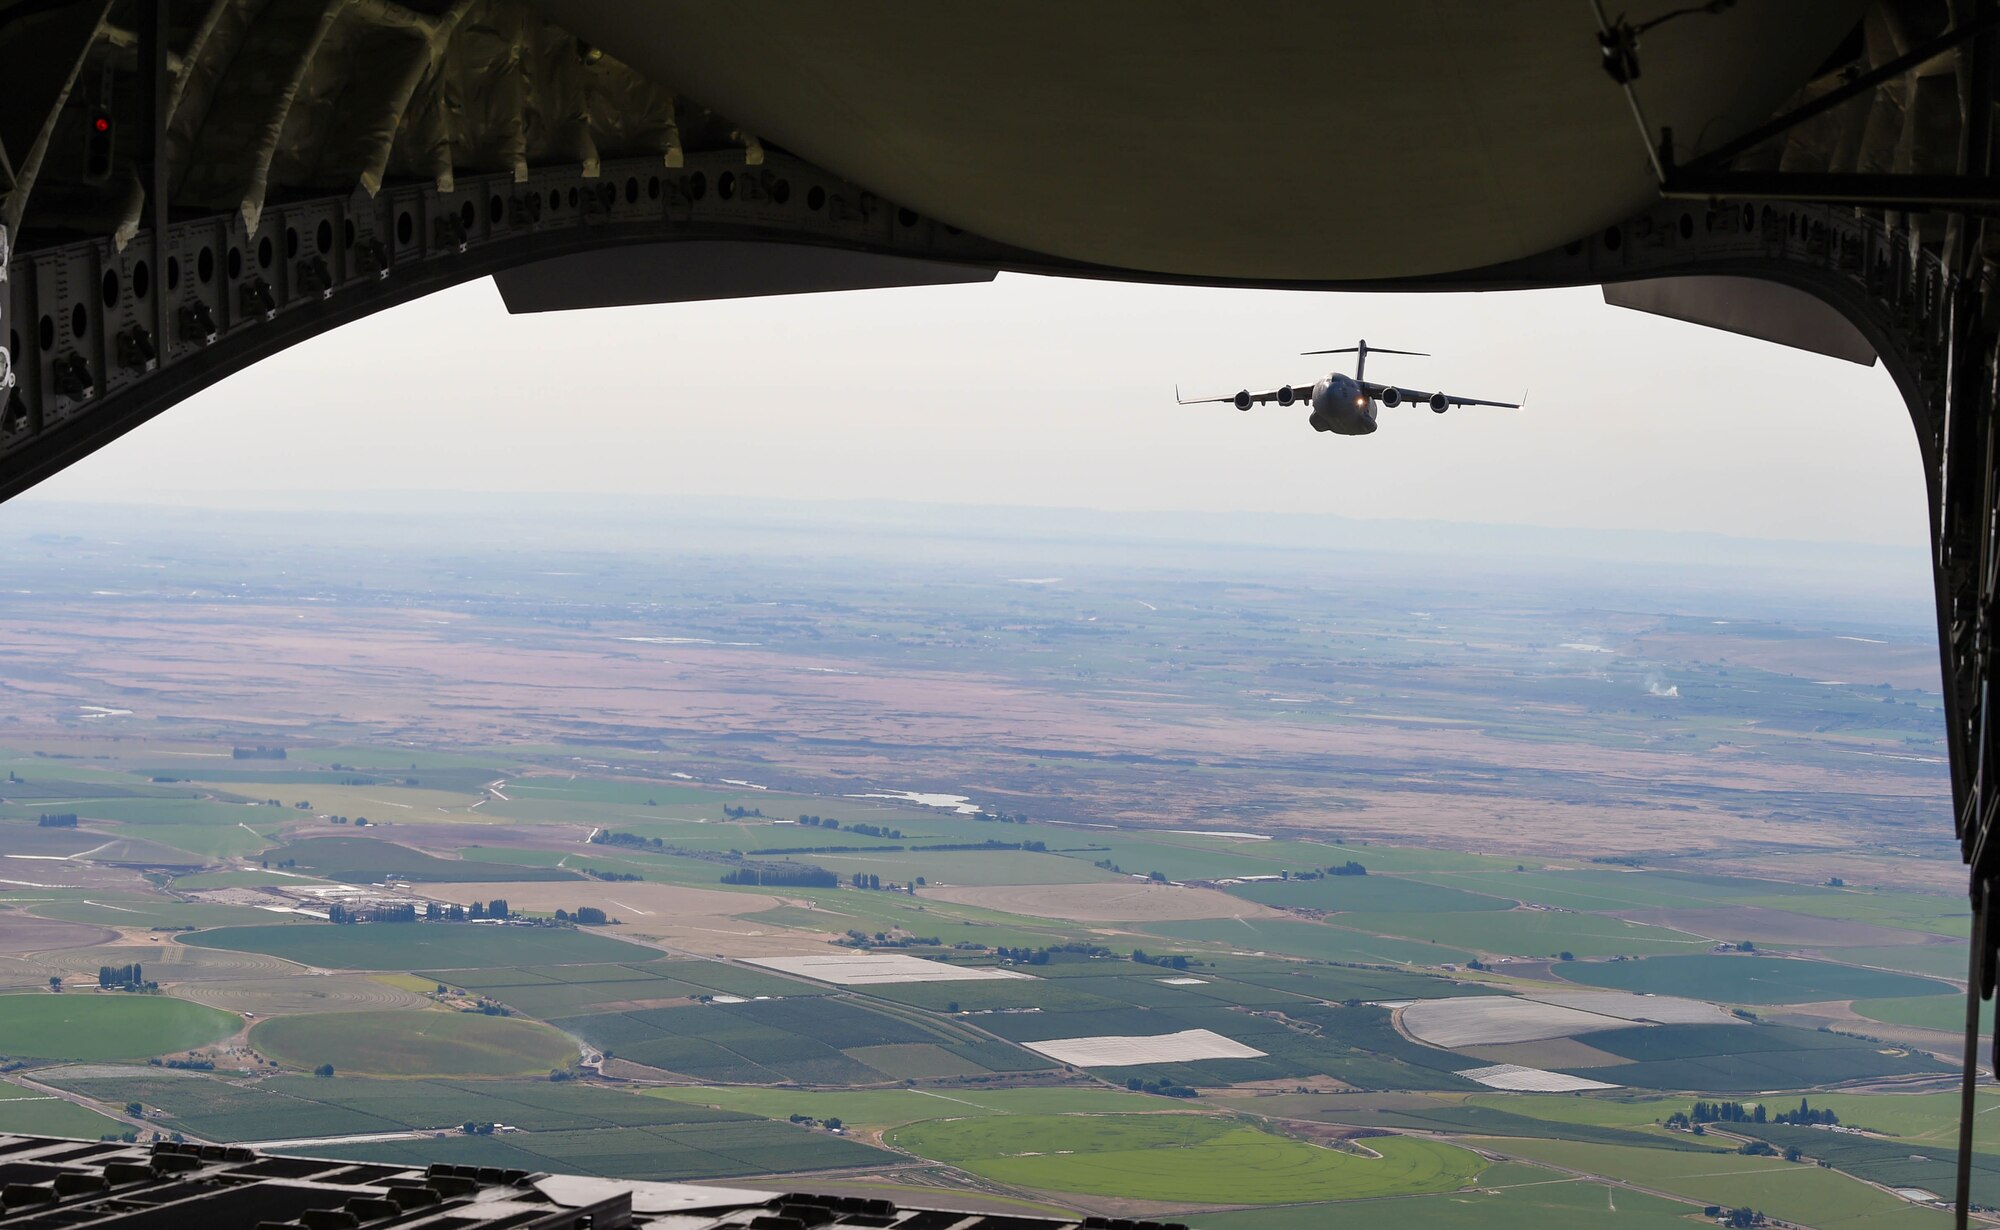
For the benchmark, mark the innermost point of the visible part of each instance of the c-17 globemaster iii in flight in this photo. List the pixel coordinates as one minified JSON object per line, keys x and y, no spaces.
{"x":1343,"y":404}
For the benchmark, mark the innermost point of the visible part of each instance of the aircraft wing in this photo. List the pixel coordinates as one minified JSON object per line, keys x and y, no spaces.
{"x":1418,"y":395}
{"x":1301,"y":394}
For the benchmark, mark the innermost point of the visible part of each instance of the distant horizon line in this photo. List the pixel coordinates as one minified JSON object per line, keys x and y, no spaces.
{"x":370,"y":501}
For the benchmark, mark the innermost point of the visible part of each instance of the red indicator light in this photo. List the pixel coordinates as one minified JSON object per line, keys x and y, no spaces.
{"x":102,"y":123}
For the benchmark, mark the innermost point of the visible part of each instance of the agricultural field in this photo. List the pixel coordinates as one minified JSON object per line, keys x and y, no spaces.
{"x":1750,"y":979}
{"x":391,"y":1043}
{"x":95,"y":1027}
{"x":1516,"y":1198}
{"x":1210,"y":1045}
{"x":1183,"y":1158}
{"x":1800,"y":1193}
{"x":442,"y":946}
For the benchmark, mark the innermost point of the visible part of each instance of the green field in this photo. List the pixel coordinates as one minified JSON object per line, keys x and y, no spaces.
{"x":1315,"y":941}
{"x":1799,"y":1193}
{"x":1739,"y":1059}
{"x":413,"y":946}
{"x":369,"y":860}
{"x":1370,"y":892}
{"x":1941,"y":960}
{"x":51,"y":1116}
{"x":413,"y":1043}
{"x":1750,"y":979}
{"x":1531,"y":933}
{"x":1533,"y":1199}
{"x":1946,"y":1012}
{"x":881,"y":1108}
{"x":1182,"y":1157}
{"x":93,"y":1027}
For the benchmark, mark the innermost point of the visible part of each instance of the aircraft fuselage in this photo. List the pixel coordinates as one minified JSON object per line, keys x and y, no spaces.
{"x":1339,"y":405}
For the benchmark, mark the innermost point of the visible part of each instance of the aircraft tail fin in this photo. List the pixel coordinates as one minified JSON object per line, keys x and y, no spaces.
{"x":1365,"y":348}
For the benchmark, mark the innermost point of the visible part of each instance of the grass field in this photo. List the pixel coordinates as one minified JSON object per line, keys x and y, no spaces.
{"x":413,"y":1043}
{"x":91,"y":1027}
{"x":1534,"y":1199}
{"x":1942,"y":960}
{"x":1182,"y":1157}
{"x":41,"y":1115}
{"x":1946,"y":1012}
{"x":1750,"y":979}
{"x":1316,"y":941}
{"x":881,"y":1108}
{"x":1370,"y":892}
{"x":1530,"y":933}
{"x":1795,"y":1192}
{"x":421,"y":946}
{"x":368,"y":860}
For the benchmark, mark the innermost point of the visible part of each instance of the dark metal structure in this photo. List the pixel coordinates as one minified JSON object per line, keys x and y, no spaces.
{"x":46,"y":1183}
{"x":187,"y":186}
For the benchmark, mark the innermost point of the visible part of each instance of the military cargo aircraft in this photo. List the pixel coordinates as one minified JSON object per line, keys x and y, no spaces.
{"x":1343,"y":404}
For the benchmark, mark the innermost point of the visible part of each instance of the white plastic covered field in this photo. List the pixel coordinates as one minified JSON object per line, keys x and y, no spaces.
{"x":1117,"y":1052}
{"x":1490,"y":1020}
{"x":879,"y":968}
{"x":1530,"y":1080}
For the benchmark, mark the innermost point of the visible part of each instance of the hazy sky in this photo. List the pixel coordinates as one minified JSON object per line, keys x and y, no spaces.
{"x":1060,"y":393}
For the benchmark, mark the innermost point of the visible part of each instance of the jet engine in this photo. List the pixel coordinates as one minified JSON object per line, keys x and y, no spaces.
{"x":1242,"y":399}
{"x":1286,"y":396}
{"x":1440,"y":403}
{"x":1392,"y":397}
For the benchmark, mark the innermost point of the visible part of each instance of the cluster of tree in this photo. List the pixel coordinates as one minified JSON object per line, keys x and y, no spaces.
{"x":862,"y":879}
{"x":325,"y":1069}
{"x":489,"y":1007}
{"x":814,"y":822}
{"x":1166,"y":1089}
{"x":782,"y":875}
{"x":1806,"y":1115}
{"x":875,"y":830}
{"x":191,"y":1065}
{"x":1158,"y":877}
{"x":1041,"y":956}
{"x":1348,"y":868}
{"x":613,"y":876}
{"x":1003,"y":817}
{"x":260,"y":752}
{"x":1736,"y":1219}
{"x":830,"y":1123}
{"x":1739,"y":946}
{"x":1727,"y":1112}
{"x":585,"y":916}
{"x":1756,"y":1148}
{"x":882,"y":939}
{"x":605,"y":837}
{"x":438,"y":912}
{"x":1165,"y":962}
{"x":57,"y":820}
{"x":496,"y":908}
{"x":385,"y":912}
{"x":477,"y":1129}
{"x":130,"y":977}
{"x":742,"y":813}
{"x":1835,"y":882}
{"x":1476,"y":964}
